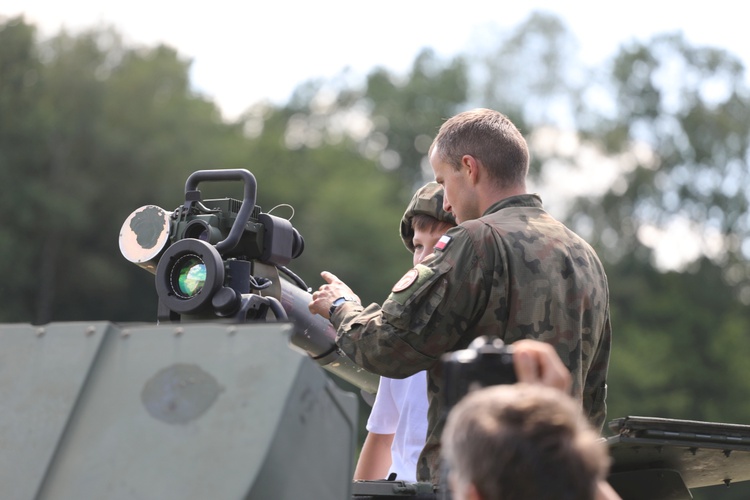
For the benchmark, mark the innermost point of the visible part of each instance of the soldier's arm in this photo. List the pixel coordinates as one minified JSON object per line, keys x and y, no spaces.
{"x":595,"y":387}
{"x":427,"y":313}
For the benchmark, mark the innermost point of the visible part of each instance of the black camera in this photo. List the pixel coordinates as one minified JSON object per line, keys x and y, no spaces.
{"x":487,"y":361}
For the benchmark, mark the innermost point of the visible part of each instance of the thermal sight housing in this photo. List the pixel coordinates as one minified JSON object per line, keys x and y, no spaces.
{"x":224,"y":259}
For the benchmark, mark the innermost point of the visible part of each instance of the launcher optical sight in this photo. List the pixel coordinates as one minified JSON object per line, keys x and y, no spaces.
{"x":225,"y":259}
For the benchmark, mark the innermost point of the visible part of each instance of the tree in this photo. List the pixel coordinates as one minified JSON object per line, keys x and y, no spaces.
{"x":532,"y":74}
{"x":407,"y":112}
{"x":346,"y":209}
{"x":100,"y":122}
{"x":19,"y":119}
{"x":680,"y":345}
{"x":684,"y":106}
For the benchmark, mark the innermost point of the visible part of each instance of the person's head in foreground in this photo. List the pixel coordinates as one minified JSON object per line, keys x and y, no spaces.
{"x":520,"y":442}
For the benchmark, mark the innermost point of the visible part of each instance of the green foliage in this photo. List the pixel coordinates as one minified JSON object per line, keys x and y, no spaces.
{"x":409,"y":111}
{"x":346,"y":209}
{"x":102,"y":129}
{"x":680,"y":345}
{"x":532,"y":75}
{"x":685,"y":107}
{"x":393,"y":119}
{"x":106,"y":129}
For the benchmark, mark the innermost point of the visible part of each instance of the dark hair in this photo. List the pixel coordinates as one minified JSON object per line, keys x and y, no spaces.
{"x":490,"y":137}
{"x":520,"y":441}
{"x":424,"y":222}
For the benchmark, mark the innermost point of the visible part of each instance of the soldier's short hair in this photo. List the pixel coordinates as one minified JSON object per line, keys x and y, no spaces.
{"x":490,"y":137}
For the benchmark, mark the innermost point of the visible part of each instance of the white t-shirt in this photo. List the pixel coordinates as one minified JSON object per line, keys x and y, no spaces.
{"x":400,"y":408}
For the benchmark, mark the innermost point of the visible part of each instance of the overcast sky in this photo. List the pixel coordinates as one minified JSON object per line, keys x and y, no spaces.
{"x":243,"y":52}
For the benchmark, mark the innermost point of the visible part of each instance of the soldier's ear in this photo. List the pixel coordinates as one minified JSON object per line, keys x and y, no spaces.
{"x":473,"y":168}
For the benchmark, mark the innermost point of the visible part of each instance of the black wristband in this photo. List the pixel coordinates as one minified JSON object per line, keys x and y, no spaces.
{"x":338,"y":302}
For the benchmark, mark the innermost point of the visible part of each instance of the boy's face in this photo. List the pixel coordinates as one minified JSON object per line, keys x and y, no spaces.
{"x":424,"y":241}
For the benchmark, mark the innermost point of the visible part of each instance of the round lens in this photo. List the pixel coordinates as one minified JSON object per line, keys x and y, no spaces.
{"x":188,"y":276}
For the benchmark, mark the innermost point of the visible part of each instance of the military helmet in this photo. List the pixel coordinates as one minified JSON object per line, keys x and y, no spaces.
{"x":428,"y":200}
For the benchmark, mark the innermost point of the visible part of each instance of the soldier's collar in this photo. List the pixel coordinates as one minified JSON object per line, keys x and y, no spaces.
{"x":521,"y":200}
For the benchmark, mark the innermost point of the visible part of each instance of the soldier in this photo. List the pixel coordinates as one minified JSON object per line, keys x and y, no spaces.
{"x":508,"y":269}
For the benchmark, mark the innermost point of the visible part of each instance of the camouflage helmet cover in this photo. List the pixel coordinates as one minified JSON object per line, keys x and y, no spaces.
{"x":428,"y":200}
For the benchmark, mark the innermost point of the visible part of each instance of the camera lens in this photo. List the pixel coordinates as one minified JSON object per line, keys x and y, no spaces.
{"x":188,"y":276}
{"x":197,"y":229}
{"x":203,"y":230}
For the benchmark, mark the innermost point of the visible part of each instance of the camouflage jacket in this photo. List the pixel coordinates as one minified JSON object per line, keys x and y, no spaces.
{"x":516,"y":272}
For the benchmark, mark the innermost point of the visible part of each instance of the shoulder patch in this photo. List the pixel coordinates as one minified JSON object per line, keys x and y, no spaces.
{"x":443,"y":242}
{"x":406,"y":281}
{"x":410,"y":283}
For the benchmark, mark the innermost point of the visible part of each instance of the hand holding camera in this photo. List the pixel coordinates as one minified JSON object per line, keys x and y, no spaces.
{"x":489,"y":361}
{"x":537,"y":362}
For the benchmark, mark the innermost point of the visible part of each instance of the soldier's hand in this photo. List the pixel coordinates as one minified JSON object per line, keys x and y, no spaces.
{"x":537,"y":362}
{"x":323,"y":298}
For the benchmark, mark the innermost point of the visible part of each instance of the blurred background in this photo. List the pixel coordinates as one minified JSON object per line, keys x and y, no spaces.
{"x":638,"y":128}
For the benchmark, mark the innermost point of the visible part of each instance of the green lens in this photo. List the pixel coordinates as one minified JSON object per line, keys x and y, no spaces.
{"x":190,"y":274}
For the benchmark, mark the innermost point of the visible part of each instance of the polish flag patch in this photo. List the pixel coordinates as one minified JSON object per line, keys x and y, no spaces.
{"x":443,"y":242}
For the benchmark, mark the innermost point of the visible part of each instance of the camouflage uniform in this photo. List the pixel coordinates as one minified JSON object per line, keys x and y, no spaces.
{"x":515,"y":272}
